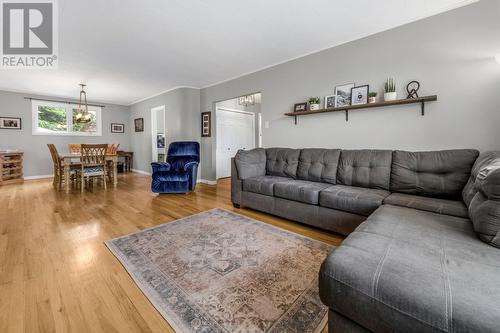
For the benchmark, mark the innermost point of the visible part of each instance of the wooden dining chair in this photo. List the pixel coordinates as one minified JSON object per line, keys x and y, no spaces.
{"x":58,"y":163}
{"x":74,"y":148}
{"x":93,"y":163}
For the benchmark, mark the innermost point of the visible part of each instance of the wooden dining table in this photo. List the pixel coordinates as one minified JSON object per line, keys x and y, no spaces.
{"x":68,"y":158}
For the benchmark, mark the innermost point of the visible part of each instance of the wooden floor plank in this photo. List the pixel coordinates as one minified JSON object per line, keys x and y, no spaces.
{"x":56,"y":274}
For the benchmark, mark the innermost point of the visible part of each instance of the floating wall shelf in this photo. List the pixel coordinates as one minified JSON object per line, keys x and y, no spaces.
{"x":346,"y":108}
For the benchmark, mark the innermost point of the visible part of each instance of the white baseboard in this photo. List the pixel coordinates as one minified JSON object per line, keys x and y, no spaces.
{"x":142,"y":172}
{"x":38,"y":177}
{"x":209,"y":182}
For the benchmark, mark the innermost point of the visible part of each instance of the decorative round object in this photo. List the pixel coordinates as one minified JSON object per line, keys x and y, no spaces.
{"x":412,"y":89}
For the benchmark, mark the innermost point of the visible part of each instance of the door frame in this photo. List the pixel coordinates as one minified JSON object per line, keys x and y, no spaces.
{"x":154,"y":130}
{"x":217,"y":140}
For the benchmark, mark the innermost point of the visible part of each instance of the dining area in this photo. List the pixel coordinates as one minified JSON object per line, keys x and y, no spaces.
{"x":84,"y":166}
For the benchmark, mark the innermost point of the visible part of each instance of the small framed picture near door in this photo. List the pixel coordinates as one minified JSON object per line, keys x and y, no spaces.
{"x":10,"y":123}
{"x":206,"y":124}
{"x":139,"y":124}
{"x":117,"y":128}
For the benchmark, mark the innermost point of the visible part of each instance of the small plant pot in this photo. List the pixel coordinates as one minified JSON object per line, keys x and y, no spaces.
{"x":390,"y":96}
{"x":372,"y":100}
{"x":313,"y":107}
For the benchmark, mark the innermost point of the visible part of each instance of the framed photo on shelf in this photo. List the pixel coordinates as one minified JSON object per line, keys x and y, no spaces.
{"x":300,"y":107}
{"x":359,"y":95}
{"x":330,"y":101}
{"x":117,"y":128}
{"x":139,"y":124}
{"x":206,"y":124}
{"x":10,"y":123}
{"x":343,"y":93}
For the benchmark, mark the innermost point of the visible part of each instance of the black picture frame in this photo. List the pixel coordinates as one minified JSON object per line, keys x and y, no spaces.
{"x":206,"y":124}
{"x":115,"y":126}
{"x":359,"y":95}
{"x":139,"y":124}
{"x":10,"y":119}
{"x":298,"y":107}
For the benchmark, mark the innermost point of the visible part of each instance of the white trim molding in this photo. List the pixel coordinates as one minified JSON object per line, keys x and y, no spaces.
{"x":38,"y":177}
{"x":208,"y":182}
{"x":141,"y":172}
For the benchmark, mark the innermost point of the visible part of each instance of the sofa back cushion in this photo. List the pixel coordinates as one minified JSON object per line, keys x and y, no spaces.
{"x":432,"y":173}
{"x":250,"y":163}
{"x":282,"y":162}
{"x":482,"y":196}
{"x":318,"y":165}
{"x":365,"y":168}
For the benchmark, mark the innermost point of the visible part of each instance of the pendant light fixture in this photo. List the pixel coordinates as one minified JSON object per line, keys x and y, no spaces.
{"x":83,"y":116}
{"x":246,"y":100}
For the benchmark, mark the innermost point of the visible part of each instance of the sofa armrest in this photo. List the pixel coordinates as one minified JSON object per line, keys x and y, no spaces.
{"x":250,"y":163}
{"x":160,"y":166}
{"x":236,"y":184}
{"x":188,"y":166}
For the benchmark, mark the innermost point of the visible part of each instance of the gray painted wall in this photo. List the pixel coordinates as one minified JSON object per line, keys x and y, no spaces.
{"x":182,"y":122}
{"x":37,"y":160}
{"x":450,"y":54}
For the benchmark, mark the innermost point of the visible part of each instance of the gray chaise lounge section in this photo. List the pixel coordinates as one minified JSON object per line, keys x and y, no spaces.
{"x":426,"y":259}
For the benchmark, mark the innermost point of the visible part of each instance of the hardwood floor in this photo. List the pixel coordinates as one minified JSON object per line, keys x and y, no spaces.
{"x":56,"y":274}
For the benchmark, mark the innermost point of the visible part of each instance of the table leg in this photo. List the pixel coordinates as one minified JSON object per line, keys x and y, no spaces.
{"x":67,"y":164}
{"x":115,"y":171}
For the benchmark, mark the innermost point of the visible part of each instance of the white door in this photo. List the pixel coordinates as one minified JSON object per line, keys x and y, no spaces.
{"x":235,"y":130}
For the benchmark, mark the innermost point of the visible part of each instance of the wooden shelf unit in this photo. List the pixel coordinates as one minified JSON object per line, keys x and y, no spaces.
{"x":346,"y":108}
{"x":11,"y":167}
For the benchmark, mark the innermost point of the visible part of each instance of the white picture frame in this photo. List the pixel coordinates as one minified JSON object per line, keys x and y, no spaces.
{"x":330,"y":101}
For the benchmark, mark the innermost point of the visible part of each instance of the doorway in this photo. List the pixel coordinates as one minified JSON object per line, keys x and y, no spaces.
{"x":158,"y":134}
{"x":237,"y":127}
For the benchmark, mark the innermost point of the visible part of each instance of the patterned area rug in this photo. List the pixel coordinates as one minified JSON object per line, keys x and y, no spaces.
{"x":218,"y":271}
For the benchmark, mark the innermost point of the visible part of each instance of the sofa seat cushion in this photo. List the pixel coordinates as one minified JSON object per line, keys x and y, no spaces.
{"x":167,"y":176}
{"x":358,"y":200}
{"x":263,"y":184}
{"x":440,"y":206}
{"x":406,"y":270}
{"x":300,"y":190}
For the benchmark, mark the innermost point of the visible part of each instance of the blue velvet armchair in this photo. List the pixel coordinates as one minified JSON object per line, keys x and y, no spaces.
{"x":178,"y":174}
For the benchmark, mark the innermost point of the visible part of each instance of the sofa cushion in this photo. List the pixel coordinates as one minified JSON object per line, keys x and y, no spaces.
{"x":250,"y":163}
{"x":263,"y":184}
{"x":482,"y":193}
{"x":300,"y":190}
{"x":406,"y":270}
{"x":318,"y":165}
{"x":365,"y":168}
{"x":282,"y":162}
{"x":433,"y":173}
{"x":440,"y":206}
{"x":358,"y":200}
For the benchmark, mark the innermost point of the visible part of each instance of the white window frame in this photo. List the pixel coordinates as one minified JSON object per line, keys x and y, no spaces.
{"x":69,"y":119}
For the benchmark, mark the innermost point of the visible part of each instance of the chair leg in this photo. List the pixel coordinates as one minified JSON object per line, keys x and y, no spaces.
{"x":83,"y":182}
{"x":104,"y":181}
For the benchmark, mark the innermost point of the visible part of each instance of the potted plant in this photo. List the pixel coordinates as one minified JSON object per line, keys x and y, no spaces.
{"x":390,"y":90}
{"x":372,"y":97}
{"x":314,"y":103}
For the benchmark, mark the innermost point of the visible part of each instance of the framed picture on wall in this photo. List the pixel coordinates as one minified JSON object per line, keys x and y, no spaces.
{"x":10,"y":123}
{"x":206,"y":124}
{"x":117,"y":128}
{"x":300,"y":107}
{"x":139,"y":124}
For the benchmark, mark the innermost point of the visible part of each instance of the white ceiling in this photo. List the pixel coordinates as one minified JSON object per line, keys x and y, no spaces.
{"x":128,"y":50}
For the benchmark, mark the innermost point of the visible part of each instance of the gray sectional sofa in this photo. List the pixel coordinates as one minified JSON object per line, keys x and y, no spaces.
{"x":423,"y":251}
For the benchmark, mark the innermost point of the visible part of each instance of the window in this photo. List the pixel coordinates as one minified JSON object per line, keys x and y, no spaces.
{"x":51,"y":118}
